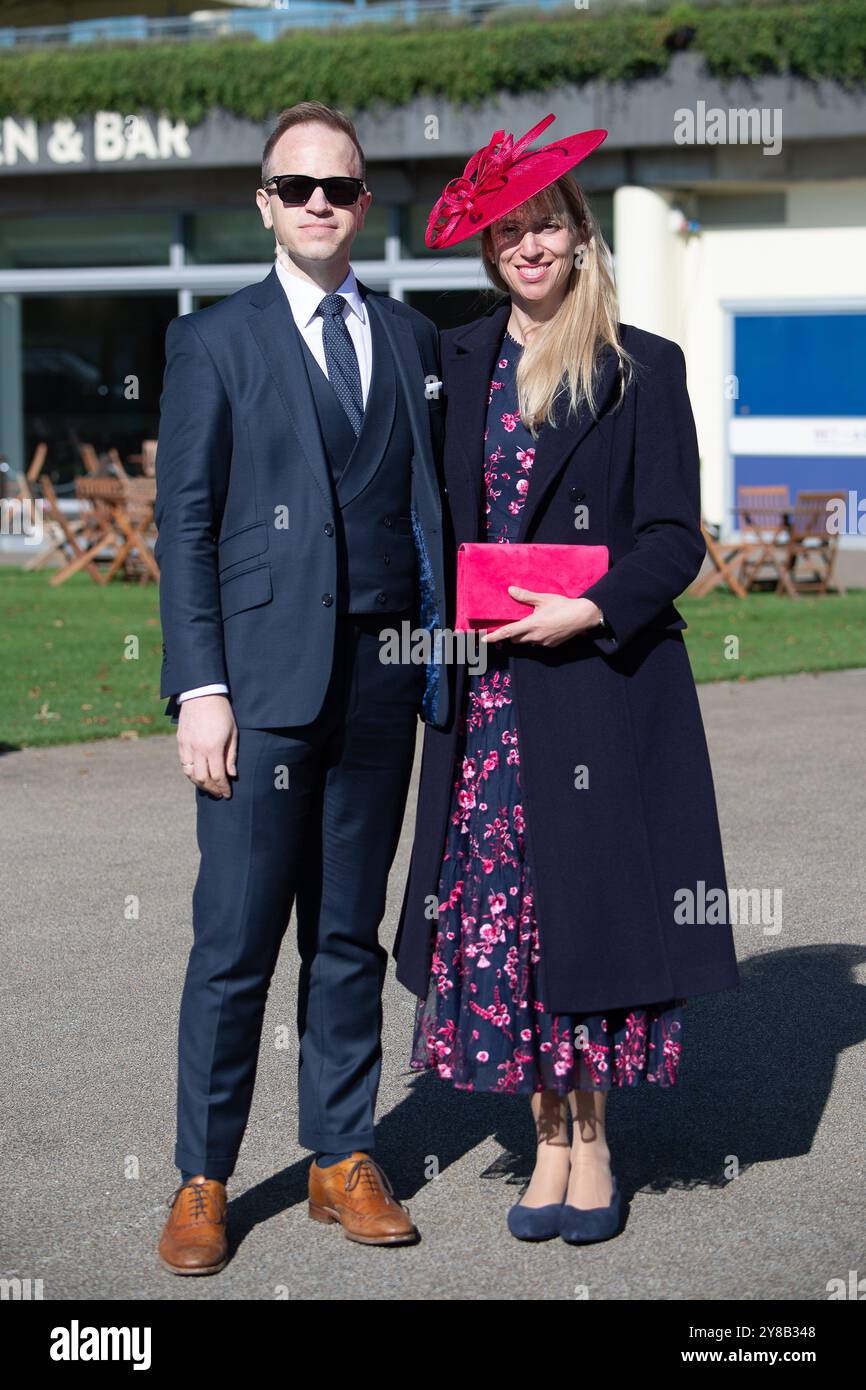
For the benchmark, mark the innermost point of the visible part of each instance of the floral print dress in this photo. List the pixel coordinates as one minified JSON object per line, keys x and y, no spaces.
{"x":483,"y":1025}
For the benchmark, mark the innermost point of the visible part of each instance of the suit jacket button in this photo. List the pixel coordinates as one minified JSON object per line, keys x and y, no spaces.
{"x":381,"y":598}
{"x":575,"y":494}
{"x":387,"y":559}
{"x":329,"y":528}
{"x":387,"y":521}
{"x":327,"y":599}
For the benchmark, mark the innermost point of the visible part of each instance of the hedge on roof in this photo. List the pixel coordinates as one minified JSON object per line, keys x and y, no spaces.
{"x":376,"y":64}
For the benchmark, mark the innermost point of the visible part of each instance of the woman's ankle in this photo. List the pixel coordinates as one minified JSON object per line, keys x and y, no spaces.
{"x":585,"y":1155}
{"x":550,"y":1175}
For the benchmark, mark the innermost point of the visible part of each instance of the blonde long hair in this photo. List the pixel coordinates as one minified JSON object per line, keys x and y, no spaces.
{"x":563,"y":354}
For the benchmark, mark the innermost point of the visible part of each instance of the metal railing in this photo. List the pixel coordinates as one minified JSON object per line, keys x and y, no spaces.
{"x":266,"y":23}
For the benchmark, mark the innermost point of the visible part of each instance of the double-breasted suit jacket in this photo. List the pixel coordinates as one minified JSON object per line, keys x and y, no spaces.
{"x":621,"y":817}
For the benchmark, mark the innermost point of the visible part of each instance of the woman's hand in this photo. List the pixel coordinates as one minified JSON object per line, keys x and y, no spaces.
{"x":554,"y":619}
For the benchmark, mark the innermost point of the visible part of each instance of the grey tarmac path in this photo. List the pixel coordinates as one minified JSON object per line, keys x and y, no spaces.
{"x":746,"y":1180}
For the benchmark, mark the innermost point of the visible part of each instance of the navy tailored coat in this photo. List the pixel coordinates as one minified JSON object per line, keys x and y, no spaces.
{"x":619,"y":803}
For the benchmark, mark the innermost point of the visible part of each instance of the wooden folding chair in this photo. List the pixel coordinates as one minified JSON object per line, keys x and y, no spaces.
{"x":725,"y":558}
{"x":74,"y":541}
{"x":133,"y":515}
{"x":115,"y":463}
{"x":37,"y":463}
{"x":26,"y":481}
{"x":147,"y":458}
{"x":26,"y":496}
{"x":98,"y":498}
{"x":810,"y":558}
{"x":764,"y":517}
{"x":90,"y":459}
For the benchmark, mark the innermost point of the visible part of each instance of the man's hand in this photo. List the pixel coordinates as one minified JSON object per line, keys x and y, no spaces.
{"x":207,"y":742}
{"x":554,"y":620}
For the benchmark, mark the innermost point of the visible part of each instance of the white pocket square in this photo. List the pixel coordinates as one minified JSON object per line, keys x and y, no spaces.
{"x":432,"y":387}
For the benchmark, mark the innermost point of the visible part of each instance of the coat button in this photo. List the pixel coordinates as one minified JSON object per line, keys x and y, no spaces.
{"x":387,"y":521}
{"x":327,"y":599}
{"x":381,"y":598}
{"x":387,"y":559}
{"x":328,"y":528}
{"x":575,"y":494}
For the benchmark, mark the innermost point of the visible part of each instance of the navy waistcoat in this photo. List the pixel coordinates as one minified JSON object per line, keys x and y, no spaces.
{"x":372,"y":477}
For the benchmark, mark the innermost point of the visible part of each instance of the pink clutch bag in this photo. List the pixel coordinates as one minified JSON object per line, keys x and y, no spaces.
{"x":486,"y":569}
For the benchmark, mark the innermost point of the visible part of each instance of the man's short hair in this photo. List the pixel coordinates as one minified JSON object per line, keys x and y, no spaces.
{"x":304,"y":113}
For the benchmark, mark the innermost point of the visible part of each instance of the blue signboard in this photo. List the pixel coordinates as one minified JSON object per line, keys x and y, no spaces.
{"x":799,"y":417}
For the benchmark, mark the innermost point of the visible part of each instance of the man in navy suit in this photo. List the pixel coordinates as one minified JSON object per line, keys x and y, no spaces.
{"x":299,"y":518}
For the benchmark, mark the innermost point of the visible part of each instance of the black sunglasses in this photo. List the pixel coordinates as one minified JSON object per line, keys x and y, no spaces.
{"x":293,"y":190}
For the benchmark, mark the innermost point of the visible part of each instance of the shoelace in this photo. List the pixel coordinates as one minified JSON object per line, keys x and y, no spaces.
{"x":199,"y":1199}
{"x":368,"y":1169}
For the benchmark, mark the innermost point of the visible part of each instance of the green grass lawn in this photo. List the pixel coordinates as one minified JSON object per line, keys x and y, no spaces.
{"x":65,"y":676}
{"x":777,"y":636}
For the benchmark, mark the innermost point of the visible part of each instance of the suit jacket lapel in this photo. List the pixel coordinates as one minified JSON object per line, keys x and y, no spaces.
{"x":276,"y":333}
{"x":367,"y":454}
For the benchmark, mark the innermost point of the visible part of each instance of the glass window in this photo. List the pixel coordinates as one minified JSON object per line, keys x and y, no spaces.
{"x":741,"y":209}
{"x":452,"y":308}
{"x":369,"y":244}
{"x":93,"y":367}
{"x":238,"y":236}
{"x":223,"y":237}
{"x":135,"y":238}
{"x":416,"y":225}
{"x":601,"y":206}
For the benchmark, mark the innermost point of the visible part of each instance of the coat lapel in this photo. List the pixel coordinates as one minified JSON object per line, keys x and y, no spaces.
{"x":472,"y":355}
{"x":556,"y":444}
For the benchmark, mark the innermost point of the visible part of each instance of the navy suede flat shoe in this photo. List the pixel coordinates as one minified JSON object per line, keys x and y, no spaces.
{"x":535,"y":1223}
{"x":579,"y":1227}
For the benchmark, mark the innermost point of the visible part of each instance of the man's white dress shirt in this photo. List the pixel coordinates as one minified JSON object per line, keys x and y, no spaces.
{"x":304,"y":299}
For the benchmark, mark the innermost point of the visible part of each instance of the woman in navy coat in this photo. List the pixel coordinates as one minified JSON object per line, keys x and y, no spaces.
{"x":567,"y":888}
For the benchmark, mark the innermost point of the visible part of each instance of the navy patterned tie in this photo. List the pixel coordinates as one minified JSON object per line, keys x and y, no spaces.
{"x":341,"y":359}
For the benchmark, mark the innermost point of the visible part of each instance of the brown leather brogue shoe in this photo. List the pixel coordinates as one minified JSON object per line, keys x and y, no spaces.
{"x":357,"y":1193}
{"x":193,"y":1239}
